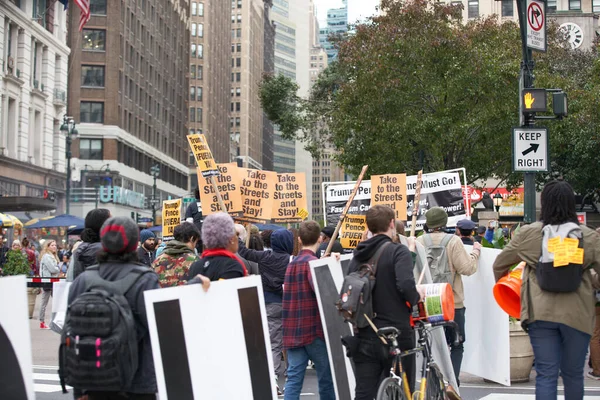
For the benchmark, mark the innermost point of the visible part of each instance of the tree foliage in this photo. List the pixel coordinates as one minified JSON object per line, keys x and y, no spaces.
{"x":16,"y":264}
{"x":418,"y":87}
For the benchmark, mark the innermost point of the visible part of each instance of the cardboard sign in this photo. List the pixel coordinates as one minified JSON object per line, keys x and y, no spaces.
{"x":203,"y":155}
{"x":171,"y":217}
{"x":290,"y":197}
{"x":186,"y":367}
{"x":390,"y":190}
{"x":257,"y":190}
{"x":352,"y":230}
{"x":229,"y":182}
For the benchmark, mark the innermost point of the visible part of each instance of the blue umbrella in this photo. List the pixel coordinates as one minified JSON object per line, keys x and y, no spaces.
{"x":273,"y":227}
{"x":65,"y":220}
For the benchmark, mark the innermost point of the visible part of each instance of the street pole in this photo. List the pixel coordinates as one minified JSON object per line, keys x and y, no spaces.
{"x":155,"y":170}
{"x":526,"y":120}
{"x":68,"y":199}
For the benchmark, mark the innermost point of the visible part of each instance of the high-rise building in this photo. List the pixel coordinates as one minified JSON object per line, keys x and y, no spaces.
{"x":247,"y":66}
{"x":33,"y":82}
{"x":337,"y":24}
{"x":210,"y":78}
{"x":269,"y":68}
{"x":128,"y":93}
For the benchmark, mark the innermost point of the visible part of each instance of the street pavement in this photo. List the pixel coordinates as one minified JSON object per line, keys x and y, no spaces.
{"x":47,"y":386}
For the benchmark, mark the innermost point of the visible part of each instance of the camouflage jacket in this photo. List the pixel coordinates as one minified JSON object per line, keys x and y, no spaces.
{"x":173,"y":264}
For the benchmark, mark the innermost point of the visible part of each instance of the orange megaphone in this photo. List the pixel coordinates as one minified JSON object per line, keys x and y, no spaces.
{"x":507,"y":291}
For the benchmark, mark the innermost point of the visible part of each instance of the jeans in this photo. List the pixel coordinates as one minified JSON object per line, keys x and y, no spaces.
{"x":372,"y":363}
{"x":274,"y":318}
{"x":297,"y":361}
{"x":558,"y":348}
{"x":46,"y":293}
{"x":457,"y":351}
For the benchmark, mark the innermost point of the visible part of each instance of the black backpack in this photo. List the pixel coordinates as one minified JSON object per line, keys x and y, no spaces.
{"x":356,"y":297}
{"x":98,"y":345}
{"x":560,"y":268}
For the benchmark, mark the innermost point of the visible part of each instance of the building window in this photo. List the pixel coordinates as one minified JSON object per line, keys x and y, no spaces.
{"x":574,"y":4}
{"x":90,"y":149}
{"x":239,"y":32}
{"x":91,"y":111}
{"x":473,"y":8}
{"x":551,"y":6}
{"x":238,"y":76}
{"x":192,"y":93}
{"x":199,"y":93}
{"x":193,"y":29}
{"x":238,"y":47}
{"x":94,"y":39}
{"x":194,"y":8}
{"x":595,"y":6}
{"x":201,"y":9}
{"x":238,"y":107}
{"x":193,"y":51}
{"x":200,"y":51}
{"x":192,"y":114}
{"x":507,"y":8}
{"x":238,"y":92}
{"x":238,"y":62}
{"x":239,"y":18}
{"x":199,"y":115}
{"x":192,"y":71}
{"x":98,"y":7}
{"x":200,"y":30}
{"x":92,"y":75}
{"x":237,"y":121}
{"x":200,"y":72}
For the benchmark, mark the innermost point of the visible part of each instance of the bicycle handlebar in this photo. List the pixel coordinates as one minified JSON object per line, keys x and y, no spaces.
{"x":450,"y":324}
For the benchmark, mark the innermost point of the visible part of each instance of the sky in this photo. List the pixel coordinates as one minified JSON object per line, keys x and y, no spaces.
{"x":357,"y":9}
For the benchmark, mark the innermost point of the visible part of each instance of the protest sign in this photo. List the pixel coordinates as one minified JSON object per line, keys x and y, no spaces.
{"x":228,"y":184}
{"x":257,"y":191}
{"x":352,"y":230}
{"x":390,"y":190}
{"x":487,"y":348}
{"x":290,"y":197}
{"x":171,"y":217}
{"x":337,"y":194}
{"x":231,"y":317}
{"x":16,"y":369}
{"x":203,"y":155}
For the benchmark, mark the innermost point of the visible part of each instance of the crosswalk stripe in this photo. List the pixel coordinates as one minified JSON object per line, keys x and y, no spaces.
{"x":46,"y":377}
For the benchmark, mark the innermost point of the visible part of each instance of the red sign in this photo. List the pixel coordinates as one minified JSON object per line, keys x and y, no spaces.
{"x":535,"y":16}
{"x":581,"y":217}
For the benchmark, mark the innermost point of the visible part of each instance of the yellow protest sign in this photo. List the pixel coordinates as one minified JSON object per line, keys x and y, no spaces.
{"x":171,"y":217}
{"x":390,"y":190}
{"x":352,"y":230}
{"x":302,"y":214}
{"x":257,"y":191}
{"x":203,"y":155}
{"x":228,"y":182}
{"x":289,"y":196}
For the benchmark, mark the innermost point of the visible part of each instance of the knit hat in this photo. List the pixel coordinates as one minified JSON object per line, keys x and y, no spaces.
{"x":328,"y":231}
{"x":436,"y":217}
{"x":146,"y":234}
{"x":93,"y":223}
{"x":119,"y":235}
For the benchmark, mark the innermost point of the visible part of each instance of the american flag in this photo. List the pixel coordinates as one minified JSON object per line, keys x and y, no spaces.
{"x":84,"y":6}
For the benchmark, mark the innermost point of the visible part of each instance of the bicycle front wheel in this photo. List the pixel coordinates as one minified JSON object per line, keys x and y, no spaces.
{"x":436,"y":389}
{"x":390,"y":390}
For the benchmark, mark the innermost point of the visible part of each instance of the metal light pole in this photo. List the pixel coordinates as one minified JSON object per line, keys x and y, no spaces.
{"x":155,"y":172}
{"x":68,"y":128}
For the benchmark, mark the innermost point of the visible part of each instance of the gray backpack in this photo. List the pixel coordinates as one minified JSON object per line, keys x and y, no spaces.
{"x":99,"y":348}
{"x":437,"y":258}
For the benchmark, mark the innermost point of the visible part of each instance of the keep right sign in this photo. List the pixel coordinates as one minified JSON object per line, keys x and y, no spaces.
{"x":536,"y":25}
{"x":530,"y":149}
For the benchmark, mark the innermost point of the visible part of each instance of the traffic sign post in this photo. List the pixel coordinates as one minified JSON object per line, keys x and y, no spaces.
{"x":536,"y":25}
{"x":530,"y":150}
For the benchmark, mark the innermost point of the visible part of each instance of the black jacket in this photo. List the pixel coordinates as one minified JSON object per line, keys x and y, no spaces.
{"x":146,"y":257}
{"x":272,"y":267}
{"x":145,"y":377}
{"x":85,"y":256}
{"x":215,"y":268}
{"x":394,"y":284}
{"x":335,"y":248}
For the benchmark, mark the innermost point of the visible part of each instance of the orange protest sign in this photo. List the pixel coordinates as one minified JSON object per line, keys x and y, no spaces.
{"x":352,"y":230}
{"x":228,"y":182}
{"x":257,"y":191}
{"x":171,"y":217}
{"x":290,"y":197}
{"x":390,"y":190}
{"x":203,"y":155}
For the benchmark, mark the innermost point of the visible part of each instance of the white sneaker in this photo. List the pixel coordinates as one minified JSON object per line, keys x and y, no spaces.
{"x":591,"y":375}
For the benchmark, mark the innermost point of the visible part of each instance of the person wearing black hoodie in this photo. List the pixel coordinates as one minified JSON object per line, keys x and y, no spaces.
{"x":394,"y":288}
{"x":272,"y":266}
{"x":86,"y":253}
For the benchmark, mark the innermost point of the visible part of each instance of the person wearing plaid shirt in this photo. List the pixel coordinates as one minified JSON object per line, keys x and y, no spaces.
{"x":302,"y":328}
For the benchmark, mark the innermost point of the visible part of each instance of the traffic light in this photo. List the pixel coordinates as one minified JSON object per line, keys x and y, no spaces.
{"x":534,"y":100}
{"x":559,"y":104}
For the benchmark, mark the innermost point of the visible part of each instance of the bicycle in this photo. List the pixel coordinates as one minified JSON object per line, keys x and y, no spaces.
{"x":432,"y":387}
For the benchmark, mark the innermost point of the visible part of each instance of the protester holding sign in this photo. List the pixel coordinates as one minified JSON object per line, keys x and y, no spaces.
{"x":302,"y":329}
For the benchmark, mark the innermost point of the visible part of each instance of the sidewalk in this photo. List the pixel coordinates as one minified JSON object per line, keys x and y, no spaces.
{"x":472,"y":380}
{"x":44,"y":343}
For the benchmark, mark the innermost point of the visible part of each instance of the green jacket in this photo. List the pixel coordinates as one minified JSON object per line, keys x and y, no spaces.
{"x":575,"y":309}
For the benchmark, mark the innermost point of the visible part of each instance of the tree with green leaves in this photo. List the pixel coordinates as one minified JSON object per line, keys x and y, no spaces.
{"x":417,"y":87}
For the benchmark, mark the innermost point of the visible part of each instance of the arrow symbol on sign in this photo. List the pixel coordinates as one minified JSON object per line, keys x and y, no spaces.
{"x":533,"y":147}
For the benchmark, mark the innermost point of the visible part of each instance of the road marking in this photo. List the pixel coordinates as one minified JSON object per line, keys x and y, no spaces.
{"x":46,"y":377}
{"x":54,"y":368}
{"x":525,"y":397}
{"x":560,"y":388}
